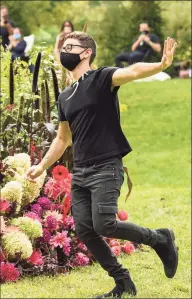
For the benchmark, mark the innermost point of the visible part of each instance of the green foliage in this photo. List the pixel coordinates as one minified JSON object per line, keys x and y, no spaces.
{"x":177,"y":23}
{"x":113,"y":24}
{"x":19,"y":121}
{"x":146,"y":11}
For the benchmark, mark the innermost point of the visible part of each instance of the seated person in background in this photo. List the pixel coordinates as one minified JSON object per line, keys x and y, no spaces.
{"x":66,"y":28}
{"x":17,"y":45}
{"x":146,"y":43}
{"x":6,"y":28}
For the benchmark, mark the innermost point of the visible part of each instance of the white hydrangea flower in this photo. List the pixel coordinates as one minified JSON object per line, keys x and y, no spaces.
{"x":31,"y":227}
{"x":21,"y":162}
{"x":30,"y":191}
{"x":15,"y":243}
{"x":12,"y":191}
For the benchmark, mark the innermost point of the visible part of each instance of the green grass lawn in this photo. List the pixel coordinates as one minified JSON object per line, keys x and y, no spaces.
{"x":157,"y":125}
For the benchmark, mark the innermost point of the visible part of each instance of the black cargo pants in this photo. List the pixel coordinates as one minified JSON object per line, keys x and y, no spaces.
{"x":95,"y":192}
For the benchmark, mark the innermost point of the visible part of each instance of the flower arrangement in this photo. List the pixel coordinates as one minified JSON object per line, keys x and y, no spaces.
{"x":40,"y":237}
{"x":15,"y":186}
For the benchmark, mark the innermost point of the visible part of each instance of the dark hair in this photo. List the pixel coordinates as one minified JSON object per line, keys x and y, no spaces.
{"x":63,"y":25}
{"x":86,"y":41}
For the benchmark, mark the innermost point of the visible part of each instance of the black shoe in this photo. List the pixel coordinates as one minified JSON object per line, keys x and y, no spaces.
{"x":167,"y":252}
{"x":122,"y":287}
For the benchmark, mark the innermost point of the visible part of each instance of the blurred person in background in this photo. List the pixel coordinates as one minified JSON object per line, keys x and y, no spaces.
{"x":6,"y":28}
{"x":143,"y":46}
{"x":67,"y":27}
{"x":17,"y":45}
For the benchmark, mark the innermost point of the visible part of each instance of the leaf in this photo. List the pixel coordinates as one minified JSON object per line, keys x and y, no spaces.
{"x":47,"y":97}
{"x":11,"y":84}
{"x":20,"y":113}
{"x":55,"y":85}
{"x":36,"y":104}
{"x":129,"y":182}
{"x":85,"y":27}
{"x":9,"y":119}
{"x":36,"y":72}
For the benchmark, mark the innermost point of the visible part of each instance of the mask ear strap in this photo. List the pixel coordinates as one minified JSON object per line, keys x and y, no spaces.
{"x":83,"y":51}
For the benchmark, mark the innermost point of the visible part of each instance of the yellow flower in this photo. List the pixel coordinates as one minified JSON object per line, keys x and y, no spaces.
{"x":123,"y":107}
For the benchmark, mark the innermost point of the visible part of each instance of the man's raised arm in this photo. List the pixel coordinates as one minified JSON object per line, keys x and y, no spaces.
{"x":142,"y":70}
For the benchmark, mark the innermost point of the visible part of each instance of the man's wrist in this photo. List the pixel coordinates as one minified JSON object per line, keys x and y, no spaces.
{"x":161,"y":67}
{"x":43,"y":165}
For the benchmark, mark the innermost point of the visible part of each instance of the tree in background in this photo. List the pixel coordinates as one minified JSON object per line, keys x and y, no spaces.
{"x":149,"y":11}
{"x":176,"y":17}
{"x":113,"y":24}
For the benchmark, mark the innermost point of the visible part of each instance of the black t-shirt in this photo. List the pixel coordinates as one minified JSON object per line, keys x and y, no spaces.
{"x":144,"y":47}
{"x":5,"y":34}
{"x":92,"y":110}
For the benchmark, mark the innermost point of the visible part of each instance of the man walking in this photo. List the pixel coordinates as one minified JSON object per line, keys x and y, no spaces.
{"x":88,"y":110}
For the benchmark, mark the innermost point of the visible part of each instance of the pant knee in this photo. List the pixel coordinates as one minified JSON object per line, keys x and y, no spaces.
{"x":84,"y":231}
{"x":105,"y":227}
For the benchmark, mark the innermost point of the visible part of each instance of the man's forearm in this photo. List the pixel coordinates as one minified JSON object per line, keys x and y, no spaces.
{"x":142,"y":70}
{"x":135,"y":45}
{"x":55,"y":151}
{"x":155,"y":47}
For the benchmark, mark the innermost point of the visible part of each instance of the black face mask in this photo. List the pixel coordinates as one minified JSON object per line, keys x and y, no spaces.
{"x":70,"y":60}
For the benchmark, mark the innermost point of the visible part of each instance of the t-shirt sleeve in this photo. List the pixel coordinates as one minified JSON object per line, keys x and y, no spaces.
{"x":105,"y":78}
{"x":61,"y":114}
{"x":155,"y":39}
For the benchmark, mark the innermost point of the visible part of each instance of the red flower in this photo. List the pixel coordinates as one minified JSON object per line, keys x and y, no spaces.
{"x":2,"y":255}
{"x":8,"y":272}
{"x":128,"y":248}
{"x":9,"y":107}
{"x":66,"y":206}
{"x":123,"y":215}
{"x":32,"y":146}
{"x":35,"y":259}
{"x":60,"y":172}
{"x":5,"y":206}
{"x":114,"y":242}
{"x":116,"y":250}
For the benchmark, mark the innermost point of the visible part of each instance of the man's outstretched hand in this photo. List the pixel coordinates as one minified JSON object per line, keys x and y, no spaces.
{"x":168,"y":53}
{"x":34,"y":172}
